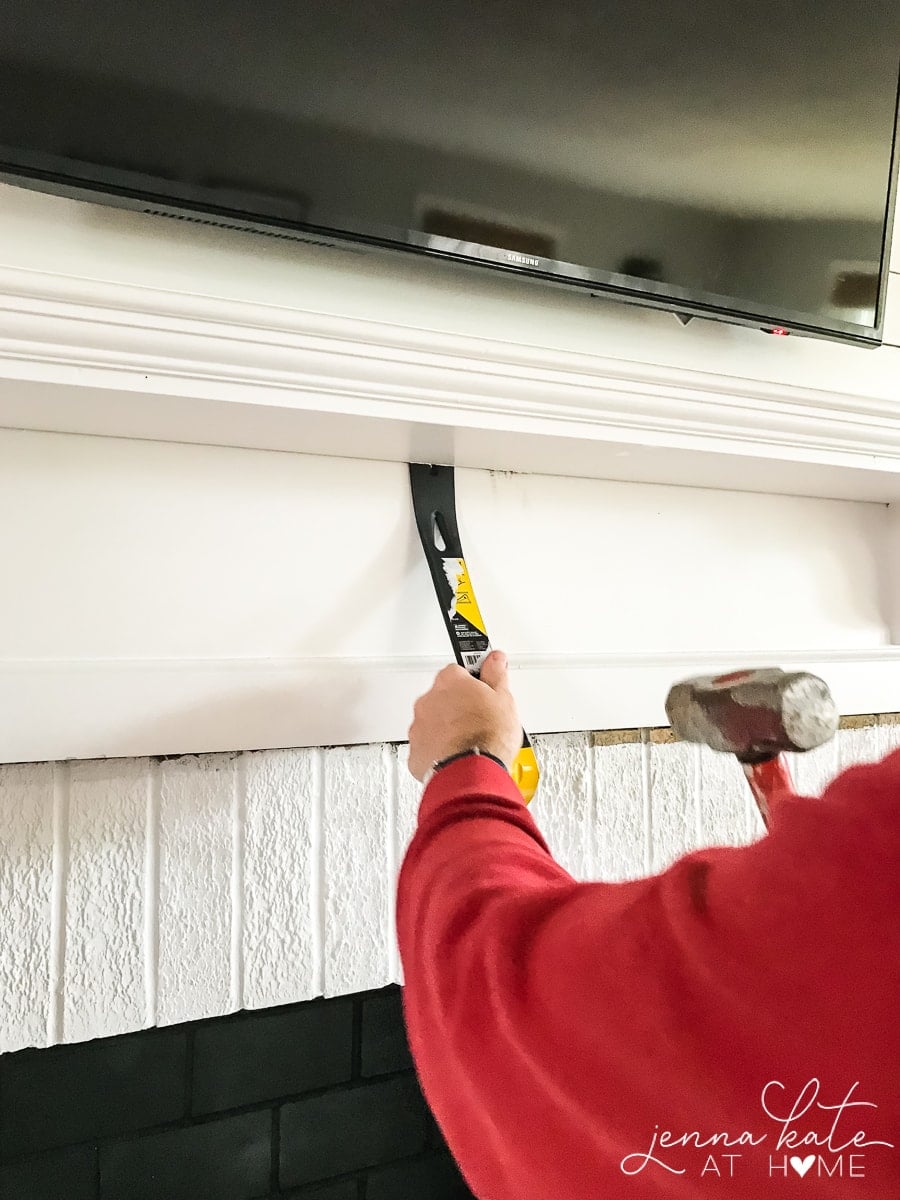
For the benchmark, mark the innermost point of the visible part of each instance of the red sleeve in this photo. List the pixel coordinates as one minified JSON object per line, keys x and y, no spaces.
{"x":559,"y":1027}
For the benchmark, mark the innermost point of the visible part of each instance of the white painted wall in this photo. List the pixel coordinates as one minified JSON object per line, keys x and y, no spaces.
{"x":139,"y":892}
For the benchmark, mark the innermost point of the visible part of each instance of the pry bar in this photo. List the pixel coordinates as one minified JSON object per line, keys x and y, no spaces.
{"x":434,"y":502}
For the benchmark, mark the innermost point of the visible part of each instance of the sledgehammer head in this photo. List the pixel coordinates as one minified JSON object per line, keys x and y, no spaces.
{"x":753,"y":714}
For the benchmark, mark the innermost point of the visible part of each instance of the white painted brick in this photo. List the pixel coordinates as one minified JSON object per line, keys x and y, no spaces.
{"x":673,"y":802}
{"x":868,"y":744}
{"x":195,"y":862}
{"x":279,"y":938}
{"x":104,"y":991}
{"x":621,"y":828}
{"x":722,"y":799}
{"x":26,"y":874}
{"x":312,"y":883}
{"x":563,"y":807}
{"x":357,"y":896}
{"x":814,"y":770}
{"x":726,"y":812}
{"x":409,"y":795}
{"x":891,"y":736}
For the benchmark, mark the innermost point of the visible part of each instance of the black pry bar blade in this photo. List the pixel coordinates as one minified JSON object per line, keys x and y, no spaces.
{"x":434,"y":503}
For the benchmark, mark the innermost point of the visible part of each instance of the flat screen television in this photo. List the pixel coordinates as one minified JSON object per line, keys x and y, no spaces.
{"x":722,"y":159}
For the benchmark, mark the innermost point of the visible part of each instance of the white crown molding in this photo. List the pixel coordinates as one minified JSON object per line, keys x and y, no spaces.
{"x":81,"y":355}
{"x":124,"y":708}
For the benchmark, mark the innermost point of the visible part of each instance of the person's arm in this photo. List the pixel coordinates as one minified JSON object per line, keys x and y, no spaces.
{"x":555,"y":1025}
{"x":509,"y":1021}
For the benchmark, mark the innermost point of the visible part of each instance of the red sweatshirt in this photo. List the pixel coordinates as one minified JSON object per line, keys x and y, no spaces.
{"x":729,"y":1027}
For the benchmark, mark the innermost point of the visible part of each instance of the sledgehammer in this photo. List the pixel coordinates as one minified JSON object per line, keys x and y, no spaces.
{"x":756,"y":715}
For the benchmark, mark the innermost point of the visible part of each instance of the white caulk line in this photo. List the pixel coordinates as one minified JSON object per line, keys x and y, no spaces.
{"x":151,"y":895}
{"x":389,"y":753}
{"x":238,"y":833}
{"x":317,"y":872}
{"x":647,"y":799}
{"x":698,"y":794}
{"x":61,"y":791}
{"x":594,"y":844}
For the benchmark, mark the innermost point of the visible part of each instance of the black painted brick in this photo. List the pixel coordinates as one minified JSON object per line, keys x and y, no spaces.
{"x":344,"y":1189}
{"x":61,"y":1175}
{"x":350,"y":1129}
{"x":435,"y":1137}
{"x":218,"y":1160}
{"x":384,"y":1044}
{"x":436,"y":1178}
{"x":264,"y":1056}
{"x":69,"y":1094}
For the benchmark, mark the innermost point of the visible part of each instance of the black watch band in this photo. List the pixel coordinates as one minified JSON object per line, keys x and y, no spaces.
{"x":466,"y":754}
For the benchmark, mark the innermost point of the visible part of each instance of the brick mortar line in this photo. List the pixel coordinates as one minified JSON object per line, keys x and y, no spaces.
{"x":360,"y":1175}
{"x":356,"y":1040}
{"x":192,"y":1121}
{"x":61,"y":851}
{"x":275,"y":1151}
{"x":430,"y":1154}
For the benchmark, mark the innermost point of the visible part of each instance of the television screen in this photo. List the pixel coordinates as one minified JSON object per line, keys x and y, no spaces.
{"x":714,"y":158}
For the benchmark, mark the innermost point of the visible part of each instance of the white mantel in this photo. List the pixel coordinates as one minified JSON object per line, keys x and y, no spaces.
{"x":174,"y":593}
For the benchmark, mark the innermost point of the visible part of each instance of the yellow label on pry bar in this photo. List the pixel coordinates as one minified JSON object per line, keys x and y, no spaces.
{"x":464,"y":602}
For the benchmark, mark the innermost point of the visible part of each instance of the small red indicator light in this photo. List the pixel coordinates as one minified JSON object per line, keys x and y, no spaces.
{"x":779,"y":331}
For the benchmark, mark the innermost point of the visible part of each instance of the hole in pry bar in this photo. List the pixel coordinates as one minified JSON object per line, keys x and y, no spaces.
{"x":437,"y":534}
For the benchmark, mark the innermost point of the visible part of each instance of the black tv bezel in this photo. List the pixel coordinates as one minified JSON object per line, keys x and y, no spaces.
{"x":127,"y":189}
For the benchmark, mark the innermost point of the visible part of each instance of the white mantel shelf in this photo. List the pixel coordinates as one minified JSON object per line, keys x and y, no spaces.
{"x":159,"y":569}
{"x":85,"y":356}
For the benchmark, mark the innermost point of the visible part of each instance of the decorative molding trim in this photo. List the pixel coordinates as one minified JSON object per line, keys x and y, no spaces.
{"x":140,"y":362}
{"x":123,"y":708}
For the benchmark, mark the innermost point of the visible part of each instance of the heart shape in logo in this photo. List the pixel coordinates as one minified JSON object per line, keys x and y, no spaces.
{"x":802,"y":1165}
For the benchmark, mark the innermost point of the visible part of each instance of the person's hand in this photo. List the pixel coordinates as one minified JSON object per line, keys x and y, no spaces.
{"x":462,"y":712}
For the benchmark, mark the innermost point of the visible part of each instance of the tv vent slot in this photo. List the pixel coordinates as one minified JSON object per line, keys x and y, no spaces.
{"x":270,"y":233}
